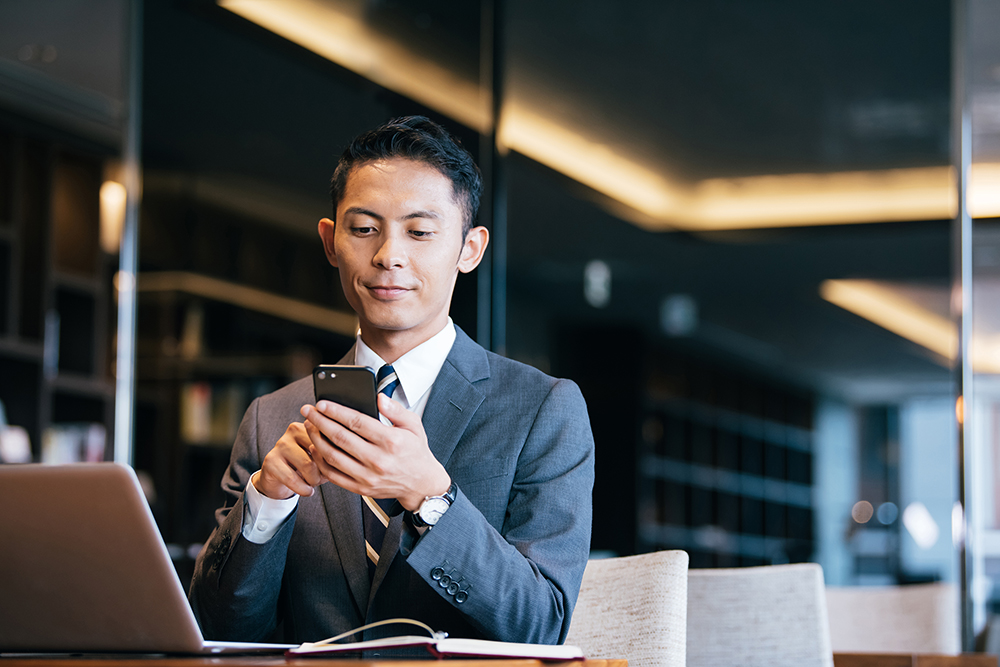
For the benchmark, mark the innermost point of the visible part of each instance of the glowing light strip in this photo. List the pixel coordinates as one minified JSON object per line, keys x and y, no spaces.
{"x":658,"y":202}
{"x":888,"y":308}
{"x":588,"y":162}
{"x":293,"y":310}
{"x":347,"y":41}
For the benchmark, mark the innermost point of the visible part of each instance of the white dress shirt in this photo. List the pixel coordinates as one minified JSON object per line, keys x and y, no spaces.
{"x":416,"y":371}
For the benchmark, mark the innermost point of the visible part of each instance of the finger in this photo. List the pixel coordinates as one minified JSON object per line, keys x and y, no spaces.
{"x":334,"y":475}
{"x":322,"y":451}
{"x":340,"y":435}
{"x":297,"y":431}
{"x":278,"y":470}
{"x":362,"y":425}
{"x":299,"y":460}
{"x":293,"y":448}
{"x":397,"y":414}
{"x":321,"y":443}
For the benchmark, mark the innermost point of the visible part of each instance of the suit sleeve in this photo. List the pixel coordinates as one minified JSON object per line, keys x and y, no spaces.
{"x":520,"y":583}
{"x":236,"y":584}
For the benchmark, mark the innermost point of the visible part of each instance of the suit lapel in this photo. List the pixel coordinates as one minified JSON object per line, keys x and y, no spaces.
{"x":393,"y":534}
{"x":454,"y":397}
{"x":453,"y":401}
{"x":343,"y":512}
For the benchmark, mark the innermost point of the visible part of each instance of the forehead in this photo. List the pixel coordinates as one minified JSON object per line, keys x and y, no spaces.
{"x":399,"y":181}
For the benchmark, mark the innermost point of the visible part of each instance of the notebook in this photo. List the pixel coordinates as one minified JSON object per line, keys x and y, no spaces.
{"x":83,"y":567}
{"x":447,"y":647}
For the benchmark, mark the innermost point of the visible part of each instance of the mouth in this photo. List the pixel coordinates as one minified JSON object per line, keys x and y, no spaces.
{"x":386,"y":292}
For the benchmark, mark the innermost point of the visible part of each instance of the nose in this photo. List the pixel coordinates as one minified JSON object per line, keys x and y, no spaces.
{"x":390,"y":253}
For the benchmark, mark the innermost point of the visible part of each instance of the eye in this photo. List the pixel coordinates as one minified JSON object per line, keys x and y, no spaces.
{"x":420,"y":233}
{"x":362,"y":229}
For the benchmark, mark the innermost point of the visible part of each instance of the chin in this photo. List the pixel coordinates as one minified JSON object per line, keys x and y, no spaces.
{"x":387,"y":321}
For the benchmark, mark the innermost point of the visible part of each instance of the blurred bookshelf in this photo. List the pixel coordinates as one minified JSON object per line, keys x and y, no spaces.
{"x":725,"y":474}
{"x":229,"y":308}
{"x":56,"y":301}
{"x":693,"y":453}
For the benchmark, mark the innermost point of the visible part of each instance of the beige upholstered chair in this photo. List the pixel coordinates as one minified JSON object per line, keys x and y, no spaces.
{"x":633,"y":607}
{"x":921,"y":618}
{"x":772,"y":616}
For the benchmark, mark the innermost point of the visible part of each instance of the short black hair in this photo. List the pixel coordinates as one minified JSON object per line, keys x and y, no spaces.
{"x":421,"y":139}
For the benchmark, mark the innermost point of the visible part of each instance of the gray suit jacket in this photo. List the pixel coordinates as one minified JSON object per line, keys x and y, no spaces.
{"x":515,"y":543}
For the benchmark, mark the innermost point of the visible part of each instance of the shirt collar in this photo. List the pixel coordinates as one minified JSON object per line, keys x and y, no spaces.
{"x":417,"y":369}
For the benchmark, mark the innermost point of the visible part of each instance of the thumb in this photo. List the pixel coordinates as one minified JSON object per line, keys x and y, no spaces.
{"x":387,"y":406}
{"x":392,"y":410}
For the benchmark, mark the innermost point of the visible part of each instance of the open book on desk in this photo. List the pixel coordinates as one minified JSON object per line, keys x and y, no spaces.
{"x":446,"y":647}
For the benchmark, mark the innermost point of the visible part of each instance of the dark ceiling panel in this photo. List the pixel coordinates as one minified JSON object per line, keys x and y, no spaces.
{"x":728,"y":88}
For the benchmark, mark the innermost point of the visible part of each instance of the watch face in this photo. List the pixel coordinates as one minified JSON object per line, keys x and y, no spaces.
{"x":432,"y":509}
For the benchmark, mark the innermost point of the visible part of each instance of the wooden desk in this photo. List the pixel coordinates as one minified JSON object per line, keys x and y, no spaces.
{"x":280,"y":661}
{"x":914,"y":660}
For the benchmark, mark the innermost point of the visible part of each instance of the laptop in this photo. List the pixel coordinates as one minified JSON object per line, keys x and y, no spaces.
{"x":83,"y":567}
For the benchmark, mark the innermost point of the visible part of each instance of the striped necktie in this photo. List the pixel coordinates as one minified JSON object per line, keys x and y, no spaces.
{"x":375,"y":512}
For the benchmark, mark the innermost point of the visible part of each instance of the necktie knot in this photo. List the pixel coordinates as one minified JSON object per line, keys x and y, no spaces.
{"x":386,"y":380}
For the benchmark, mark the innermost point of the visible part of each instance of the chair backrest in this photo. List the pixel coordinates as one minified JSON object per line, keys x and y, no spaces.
{"x":633,"y":607}
{"x":920,"y":618}
{"x":773,"y":616}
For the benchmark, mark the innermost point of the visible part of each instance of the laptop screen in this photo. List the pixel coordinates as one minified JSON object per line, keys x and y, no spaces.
{"x":83,"y":566}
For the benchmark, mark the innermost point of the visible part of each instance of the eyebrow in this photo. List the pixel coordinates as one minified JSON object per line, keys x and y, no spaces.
{"x":358,"y":210}
{"x":422,"y":214}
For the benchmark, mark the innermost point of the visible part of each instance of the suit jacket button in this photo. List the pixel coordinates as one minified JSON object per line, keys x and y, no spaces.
{"x":444,"y":581}
{"x":452,"y":588}
{"x":437,"y":573}
{"x":461,"y":597}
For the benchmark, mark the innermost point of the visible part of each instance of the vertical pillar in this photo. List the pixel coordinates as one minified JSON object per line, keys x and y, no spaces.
{"x":492,"y":290}
{"x":128,"y":261}
{"x":972,"y":606}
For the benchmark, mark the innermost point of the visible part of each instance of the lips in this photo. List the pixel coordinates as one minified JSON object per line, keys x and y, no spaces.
{"x":387,"y":291}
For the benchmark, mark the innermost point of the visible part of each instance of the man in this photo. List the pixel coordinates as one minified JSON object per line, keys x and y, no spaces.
{"x":490,"y":461}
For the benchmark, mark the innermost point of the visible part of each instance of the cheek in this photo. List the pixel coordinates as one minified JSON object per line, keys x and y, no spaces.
{"x":441,"y":265}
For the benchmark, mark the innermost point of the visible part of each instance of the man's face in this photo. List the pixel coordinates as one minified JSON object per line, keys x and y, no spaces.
{"x":398,"y":245}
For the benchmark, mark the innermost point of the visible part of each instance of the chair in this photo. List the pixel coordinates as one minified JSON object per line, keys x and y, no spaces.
{"x":919,"y":618}
{"x":757,"y":616}
{"x":633,"y":607}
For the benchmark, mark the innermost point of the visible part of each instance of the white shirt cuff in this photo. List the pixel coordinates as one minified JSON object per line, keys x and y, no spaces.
{"x":263,"y":516}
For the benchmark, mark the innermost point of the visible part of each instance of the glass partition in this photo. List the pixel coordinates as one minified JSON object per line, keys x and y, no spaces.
{"x":982,"y":418}
{"x":730,"y":223}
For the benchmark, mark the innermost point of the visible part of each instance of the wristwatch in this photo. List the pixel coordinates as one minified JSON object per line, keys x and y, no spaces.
{"x":433,"y":507}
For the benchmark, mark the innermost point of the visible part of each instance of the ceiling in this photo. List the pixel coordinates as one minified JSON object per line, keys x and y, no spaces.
{"x":61,"y":63}
{"x":687,"y":92}
{"x":707,"y":116}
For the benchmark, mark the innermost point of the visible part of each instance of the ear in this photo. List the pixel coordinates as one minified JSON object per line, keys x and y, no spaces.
{"x":473,"y":249}
{"x":327,"y":228}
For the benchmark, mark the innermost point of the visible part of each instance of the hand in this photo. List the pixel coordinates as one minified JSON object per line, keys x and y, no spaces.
{"x":288,"y":468}
{"x":367,"y":457}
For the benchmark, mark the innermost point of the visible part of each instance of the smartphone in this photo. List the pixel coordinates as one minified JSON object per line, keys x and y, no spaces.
{"x":353,"y":386}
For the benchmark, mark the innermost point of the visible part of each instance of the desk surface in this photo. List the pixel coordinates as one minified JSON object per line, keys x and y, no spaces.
{"x":917,"y":660}
{"x":279,"y":661}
